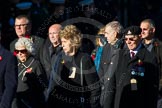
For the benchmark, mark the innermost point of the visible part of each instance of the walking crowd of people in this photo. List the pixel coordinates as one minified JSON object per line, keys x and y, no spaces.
{"x":123,"y":70}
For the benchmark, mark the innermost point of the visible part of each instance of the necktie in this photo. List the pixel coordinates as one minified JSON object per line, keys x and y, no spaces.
{"x":132,"y":54}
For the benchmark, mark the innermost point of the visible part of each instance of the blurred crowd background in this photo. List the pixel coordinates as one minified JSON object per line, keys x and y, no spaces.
{"x":43,"y":13}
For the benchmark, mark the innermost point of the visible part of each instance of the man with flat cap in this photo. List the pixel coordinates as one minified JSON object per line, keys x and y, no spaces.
{"x":135,"y":81}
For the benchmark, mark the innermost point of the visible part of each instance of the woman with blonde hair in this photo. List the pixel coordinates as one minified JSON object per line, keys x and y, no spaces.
{"x":74,"y":75}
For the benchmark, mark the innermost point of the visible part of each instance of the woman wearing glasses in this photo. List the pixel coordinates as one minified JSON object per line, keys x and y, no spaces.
{"x":31,"y":80}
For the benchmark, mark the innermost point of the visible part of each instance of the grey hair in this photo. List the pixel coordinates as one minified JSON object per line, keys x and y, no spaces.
{"x":23,"y":41}
{"x":150,"y":21}
{"x":116,"y":26}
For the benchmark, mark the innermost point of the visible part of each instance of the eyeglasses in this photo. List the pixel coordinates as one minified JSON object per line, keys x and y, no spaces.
{"x":20,"y":25}
{"x":131,"y":39}
{"x":21,"y":51}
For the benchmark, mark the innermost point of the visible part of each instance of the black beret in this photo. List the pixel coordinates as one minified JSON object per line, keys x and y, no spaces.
{"x":132,"y":30}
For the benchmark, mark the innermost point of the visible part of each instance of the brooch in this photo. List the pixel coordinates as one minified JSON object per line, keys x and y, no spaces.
{"x":73,"y":72}
{"x":62,"y":61}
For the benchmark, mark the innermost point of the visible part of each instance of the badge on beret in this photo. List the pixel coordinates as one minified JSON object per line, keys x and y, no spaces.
{"x":129,"y":32}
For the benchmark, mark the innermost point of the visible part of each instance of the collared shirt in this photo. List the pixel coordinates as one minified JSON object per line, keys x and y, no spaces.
{"x":136,"y":50}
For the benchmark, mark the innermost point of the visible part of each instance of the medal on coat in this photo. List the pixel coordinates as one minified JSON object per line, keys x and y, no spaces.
{"x":73,"y":72}
{"x":133,"y":82}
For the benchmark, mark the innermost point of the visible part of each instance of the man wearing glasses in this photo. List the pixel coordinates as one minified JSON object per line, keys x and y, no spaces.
{"x":23,"y":29}
{"x":135,"y":81}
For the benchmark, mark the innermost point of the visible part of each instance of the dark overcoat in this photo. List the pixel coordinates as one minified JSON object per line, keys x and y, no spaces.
{"x":31,"y":84}
{"x":143,"y":92}
{"x":75,"y":84}
{"x":8,"y":77}
{"x":47,"y":56}
{"x":157,"y":50}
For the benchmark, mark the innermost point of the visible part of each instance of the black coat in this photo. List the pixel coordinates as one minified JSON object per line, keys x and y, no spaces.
{"x":107,"y":53}
{"x":79,"y":91}
{"x":8,"y":77}
{"x":47,"y":56}
{"x":108,"y":67}
{"x":121,"y":94}
{"x":109,"y":60}
{"x":31,"y":84}
{"x":157,"y":50}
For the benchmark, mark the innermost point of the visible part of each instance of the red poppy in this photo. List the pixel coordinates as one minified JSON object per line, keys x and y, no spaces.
{"x":140,"y":62}
{"x":29,"y":70}
{"x":27,"y":36}
{"x":0,"y":58}
{"x":156,"y":43}
{"x":14,"y":53}
{"x":93,"y":57}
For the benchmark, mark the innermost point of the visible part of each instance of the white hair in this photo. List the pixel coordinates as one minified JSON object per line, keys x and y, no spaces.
{"x":116,"y":26}
{"x":23,"y":41}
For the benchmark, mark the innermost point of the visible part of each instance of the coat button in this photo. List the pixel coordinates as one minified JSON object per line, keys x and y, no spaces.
{"x":102,"y":87}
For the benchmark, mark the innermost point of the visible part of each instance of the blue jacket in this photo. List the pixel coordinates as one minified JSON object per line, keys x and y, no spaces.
{"x":98,"y":57}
